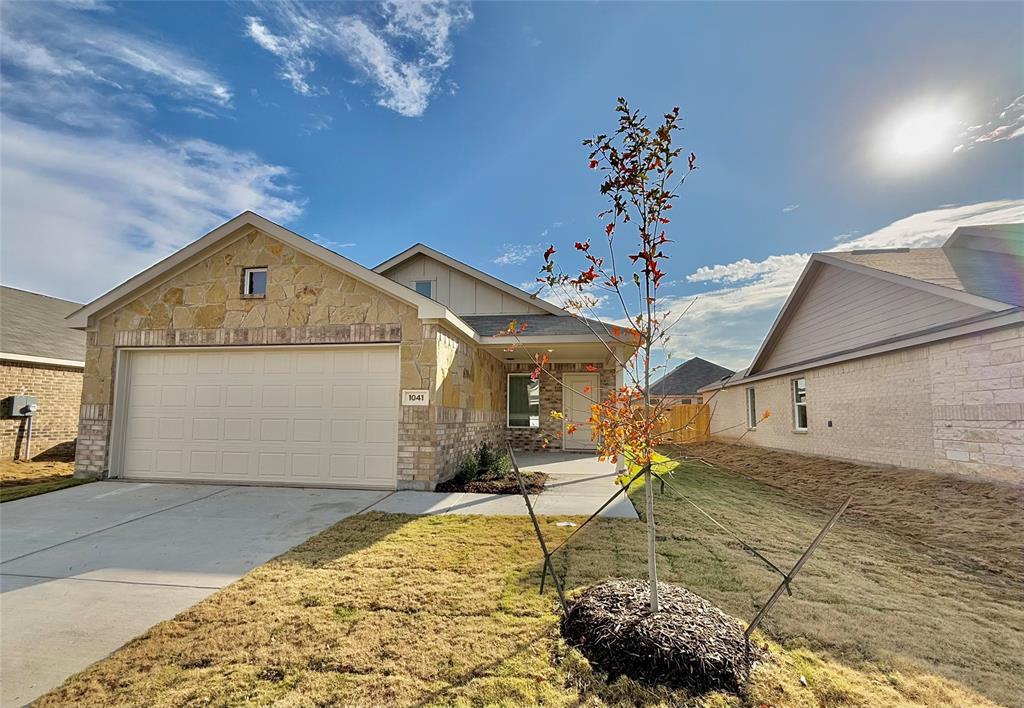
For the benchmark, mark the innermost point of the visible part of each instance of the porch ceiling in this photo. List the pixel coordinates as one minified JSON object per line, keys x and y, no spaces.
{"x":582,"y":352}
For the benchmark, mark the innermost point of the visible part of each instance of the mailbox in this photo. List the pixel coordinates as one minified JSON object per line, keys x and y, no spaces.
{"x":19,"y":406}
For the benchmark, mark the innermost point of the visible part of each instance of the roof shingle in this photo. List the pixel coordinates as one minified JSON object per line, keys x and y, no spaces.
{"x":33,"y":325}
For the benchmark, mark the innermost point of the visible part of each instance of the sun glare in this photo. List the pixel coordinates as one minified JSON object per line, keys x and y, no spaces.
{"x":919,"y":134}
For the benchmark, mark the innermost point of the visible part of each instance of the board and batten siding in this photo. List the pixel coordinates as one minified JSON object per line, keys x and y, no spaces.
{"x":843,"y":310}
{"x":463,"y":294}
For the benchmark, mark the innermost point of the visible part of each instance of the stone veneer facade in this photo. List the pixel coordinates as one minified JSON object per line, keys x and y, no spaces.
{"x":307,"y":302}
{"x":58,"y":390}
{"x":952,"y":406}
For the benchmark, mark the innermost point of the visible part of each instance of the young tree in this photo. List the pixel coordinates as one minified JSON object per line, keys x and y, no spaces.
{"x":640,"y":181}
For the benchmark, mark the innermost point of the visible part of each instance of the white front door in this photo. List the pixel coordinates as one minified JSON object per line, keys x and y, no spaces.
{"x":282,"y":415}
{"x":580,"y":392}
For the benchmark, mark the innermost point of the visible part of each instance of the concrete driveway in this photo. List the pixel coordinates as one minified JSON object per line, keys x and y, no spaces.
{"x":85,"y":569}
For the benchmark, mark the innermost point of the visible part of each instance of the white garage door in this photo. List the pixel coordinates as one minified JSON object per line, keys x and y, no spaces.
{"x":278,"y":416}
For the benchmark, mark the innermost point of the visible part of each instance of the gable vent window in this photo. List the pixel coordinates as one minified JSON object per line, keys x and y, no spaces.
{"x":425,"y":288}
{"x":800,"y":404}
{"x":751,"y":409}
{"x":254,"y":282}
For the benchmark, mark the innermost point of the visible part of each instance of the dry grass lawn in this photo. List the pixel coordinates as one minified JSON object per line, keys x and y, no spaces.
{"x":400,"y":610}
{"x":25,"y":479}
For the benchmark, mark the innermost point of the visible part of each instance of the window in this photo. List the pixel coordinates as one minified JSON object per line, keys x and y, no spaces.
{"x":800,"y":404}
{"x":254,"y":282}
{"x":425,"y":287}
{"x":523,"y":401}
{"x":751,"y":409}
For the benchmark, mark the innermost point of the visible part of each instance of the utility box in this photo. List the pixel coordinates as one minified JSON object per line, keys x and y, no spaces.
{"x":19,"y":406}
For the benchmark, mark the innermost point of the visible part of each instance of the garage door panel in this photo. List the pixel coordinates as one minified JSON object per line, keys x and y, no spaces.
{"x":308,"y":430}
{"x":347,"y":396}
{"x":381,"y":396}
{"x":237,"y":429}
{"x":277,"y":396}
{"x":263,"y":415}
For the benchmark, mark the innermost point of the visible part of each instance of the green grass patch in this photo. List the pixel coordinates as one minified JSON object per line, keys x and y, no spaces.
{"x":21,"y":491}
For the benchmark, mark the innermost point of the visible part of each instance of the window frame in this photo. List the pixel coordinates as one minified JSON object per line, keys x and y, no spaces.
{"x":416,"y":287}
{"x":508,"y":402}
{"x":246,"y":272}
{"x":794,"y":387}
{"x":750,"y":399}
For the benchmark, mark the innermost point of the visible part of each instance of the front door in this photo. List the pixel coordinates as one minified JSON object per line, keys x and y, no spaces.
{"x":580,"y":392}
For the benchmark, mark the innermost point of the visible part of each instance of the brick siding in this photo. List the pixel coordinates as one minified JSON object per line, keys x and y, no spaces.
{"x":55,"y":426}
{"x":952,"y":406}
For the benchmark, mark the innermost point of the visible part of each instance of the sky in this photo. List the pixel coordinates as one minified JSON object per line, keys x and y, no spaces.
{"x":128,"y":130}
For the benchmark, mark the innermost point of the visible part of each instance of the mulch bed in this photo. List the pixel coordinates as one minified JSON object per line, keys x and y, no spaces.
{"x":688,"y":644}
{"x":497,"y":485}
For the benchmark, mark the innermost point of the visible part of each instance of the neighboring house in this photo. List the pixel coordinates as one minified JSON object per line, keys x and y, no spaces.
{"x":908,"y":357}
{"x":254,"y":355}
{"x":680,"y":386}
{"x":39,"y":357}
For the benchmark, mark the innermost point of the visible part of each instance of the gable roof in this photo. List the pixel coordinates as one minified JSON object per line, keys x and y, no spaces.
{"x":427,"y":308}
{"x":424,"y":250}
{"x":977,"y":266}
{"x":32,"y":329}
{"x":689,"y":377}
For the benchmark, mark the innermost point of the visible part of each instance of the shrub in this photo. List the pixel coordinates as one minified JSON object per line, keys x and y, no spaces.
{"x":502,"y":466}
{"x":468,"y":470}
{"x":485,"y":458}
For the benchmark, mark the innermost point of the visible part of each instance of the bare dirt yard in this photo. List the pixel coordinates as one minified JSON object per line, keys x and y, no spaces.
{"x":975,"y":525}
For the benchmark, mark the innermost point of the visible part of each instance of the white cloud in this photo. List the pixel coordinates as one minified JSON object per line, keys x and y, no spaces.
{"x":54,"y":53}
{"x":402,"y":48}
{"x":89,"y":198}
{"x":745,"y":269}
{"x":1008,"y":125}
{"x":515,"y":253}
{"x":789,"y":208}
{"x":82,"y":213}
{"x":727,"y":324}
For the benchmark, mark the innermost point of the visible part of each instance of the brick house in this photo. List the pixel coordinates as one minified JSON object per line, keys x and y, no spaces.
{"x":41,"y":357}
{"x":254,"y":355}
{"x":905,"y":357}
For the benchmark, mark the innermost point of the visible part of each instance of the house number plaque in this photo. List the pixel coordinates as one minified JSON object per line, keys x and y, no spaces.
{"x":414,"y":397}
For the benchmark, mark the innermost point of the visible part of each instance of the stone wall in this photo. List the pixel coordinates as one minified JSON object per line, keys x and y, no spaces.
{"x":549,"y":435}
{"x":55,"y":426}
{"x":953,"y":406}
{"x":306,"y":302}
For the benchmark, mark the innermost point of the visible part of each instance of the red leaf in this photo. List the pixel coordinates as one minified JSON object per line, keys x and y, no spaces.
{"x":593,"y":164}
{"x":609,"y":229}
{"x":548,"y":253}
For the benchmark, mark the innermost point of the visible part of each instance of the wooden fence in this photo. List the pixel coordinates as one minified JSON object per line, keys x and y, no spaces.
{"x":687,"y":423}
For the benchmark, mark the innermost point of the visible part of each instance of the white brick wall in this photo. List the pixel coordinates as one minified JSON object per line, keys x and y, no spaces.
{"x":955,"y":406}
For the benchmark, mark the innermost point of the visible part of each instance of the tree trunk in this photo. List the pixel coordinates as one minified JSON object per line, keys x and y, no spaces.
{"x":652,"y":559}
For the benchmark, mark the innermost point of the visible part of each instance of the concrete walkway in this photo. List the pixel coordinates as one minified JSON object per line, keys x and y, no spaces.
{"x":578,"y":484}
{"x":85,"y":569}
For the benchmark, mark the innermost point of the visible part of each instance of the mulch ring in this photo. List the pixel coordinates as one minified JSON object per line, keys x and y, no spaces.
{"x":688,"y":644}
{"x":497,"y":485}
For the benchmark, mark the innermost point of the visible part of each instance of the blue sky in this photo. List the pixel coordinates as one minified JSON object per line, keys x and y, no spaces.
{"x":130,"y":129}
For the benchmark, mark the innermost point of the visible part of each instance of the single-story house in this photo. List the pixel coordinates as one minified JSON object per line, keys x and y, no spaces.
{"x":681,"y":385}
{"x":905,"y":357}
{"x":254,"y":355}
{"x":42,"y":358}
